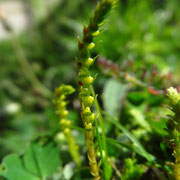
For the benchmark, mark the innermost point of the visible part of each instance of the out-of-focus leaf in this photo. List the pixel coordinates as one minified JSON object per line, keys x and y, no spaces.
{"x":12,"y":168}
{"x":148,"y":156}
{"x":137,"y":97}
{"x":158,"y":126}
{"x":42,"y":160}
{"x":139,"y":117}
{"x":113,"y":94}
{"x":38,"y":163}
{"x":133,"y":170}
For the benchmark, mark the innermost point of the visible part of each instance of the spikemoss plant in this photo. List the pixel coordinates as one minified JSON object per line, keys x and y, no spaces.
{"x":173,"y":128}
{"x":60,"y":103}
{"x":85,"y":80}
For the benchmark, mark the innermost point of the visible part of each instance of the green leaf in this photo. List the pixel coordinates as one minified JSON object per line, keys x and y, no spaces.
{"x":38,"y":163}
{"x":158,"y":126}
{"x":113,"y":94}
{"x":147,"y":155}
{"x":137,"y":98}
{"x":138,"y":116}
{"x":132,"y":169}
{"x":12,"y":168}
{"x":41,"y":160}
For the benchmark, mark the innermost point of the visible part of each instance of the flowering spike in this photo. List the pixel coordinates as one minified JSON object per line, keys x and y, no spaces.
{"x":173,"y":128}
{"x":85,"y":79}
{"x":60,"y":103}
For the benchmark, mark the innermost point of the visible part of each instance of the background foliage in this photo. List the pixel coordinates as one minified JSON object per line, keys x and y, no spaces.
{"x":40,"y":58}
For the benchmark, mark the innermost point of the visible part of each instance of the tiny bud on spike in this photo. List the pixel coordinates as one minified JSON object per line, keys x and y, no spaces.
{"x":81,"y":45}
{"x":88,"y":80}
{"x":86,"y":111}
{"x":173,"y":145}
{"x":95,"y":33}
{"x":67,"y":131}
{"x":86,"y":30}
{"x":90,"y":118}
{"x":89,"y":61}
{"x":91,"y":46}
{"x":79,"y":64}
{"x":65,"y":113}
{"x":88,"y":101}
{"x":80,"y":83}
{"x":100,"y":24}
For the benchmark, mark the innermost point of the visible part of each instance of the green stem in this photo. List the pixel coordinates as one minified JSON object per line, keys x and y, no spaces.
{"x":27,"y":69}
{"x":103,"y":131}
{"x":114,"y":120}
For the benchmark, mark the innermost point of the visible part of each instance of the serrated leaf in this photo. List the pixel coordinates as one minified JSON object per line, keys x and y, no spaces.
{"x":113,"y":93}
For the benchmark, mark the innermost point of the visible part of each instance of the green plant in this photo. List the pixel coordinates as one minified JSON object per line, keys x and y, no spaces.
{"x":85,"y":80}
{"x":132,"y":169}
{"x":40,"y":160}
{"x":60,"y":95}
{"x":123,"y":117}
{"x":173,"y":128}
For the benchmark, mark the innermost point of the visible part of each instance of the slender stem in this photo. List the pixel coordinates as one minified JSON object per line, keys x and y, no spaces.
{"x":103,"y":130}
{"x":99,"y":142}
{"x":27,"y":69}
{"x":177,"y":163}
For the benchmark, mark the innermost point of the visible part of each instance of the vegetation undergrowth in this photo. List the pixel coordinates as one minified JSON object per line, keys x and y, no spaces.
{"x":123,"y":119}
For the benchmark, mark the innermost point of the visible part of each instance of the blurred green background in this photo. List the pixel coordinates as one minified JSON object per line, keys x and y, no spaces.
{"x":40,"y":56}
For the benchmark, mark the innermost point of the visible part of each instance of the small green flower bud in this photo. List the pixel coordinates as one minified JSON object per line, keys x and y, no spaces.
{"x":62,"y":97}
{"x":84,"y":92}
{"x":91,"y":46}
{"x":90,"y":118}
{"x":96,"y":33}
{"x":66,"y":131}
{"x":86,"y":111}
{"x":101,"y":24}
{"x":88,"y":62}
{"x":63,"y":113}
{"x":87,"y":80}
{"x":62,"y":104}
{"x":68,"y":90}
{"x":89,"y":126}
{"x":63,"y":122}
{"x":88,"y":100}
{"x":68,"y":123}
{"x":83,"y":72}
